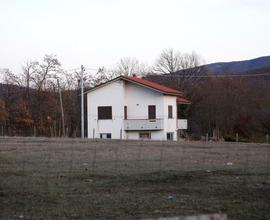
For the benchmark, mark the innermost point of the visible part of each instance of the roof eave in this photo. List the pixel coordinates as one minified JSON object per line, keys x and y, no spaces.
{"x":103,"y":84}
{"x":134,"y":82}
{"x":149,"y":87}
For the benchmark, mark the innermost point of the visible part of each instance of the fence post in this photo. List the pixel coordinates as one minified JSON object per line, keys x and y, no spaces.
{"x":267,"y":138}
{"x":121,"y":134}
{"x":54,"y":129}
{"x":236,"y":137}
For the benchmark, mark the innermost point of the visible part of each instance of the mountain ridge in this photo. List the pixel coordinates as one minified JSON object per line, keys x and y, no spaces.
{"x":238,"y":67}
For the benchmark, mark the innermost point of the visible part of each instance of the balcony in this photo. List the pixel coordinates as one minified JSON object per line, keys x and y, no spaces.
{"x":143,"y":124}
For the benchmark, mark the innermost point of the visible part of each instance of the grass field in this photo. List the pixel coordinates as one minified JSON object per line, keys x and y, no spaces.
{"x":82,"y":179}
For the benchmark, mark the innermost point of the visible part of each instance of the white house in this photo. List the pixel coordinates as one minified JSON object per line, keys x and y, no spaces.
{"x":134,"y":108}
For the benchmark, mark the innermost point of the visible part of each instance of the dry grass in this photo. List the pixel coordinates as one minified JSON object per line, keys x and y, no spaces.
{"x":81,"y":179}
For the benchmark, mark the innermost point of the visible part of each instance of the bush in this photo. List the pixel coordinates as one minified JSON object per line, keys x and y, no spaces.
{"x":232,"y":138}
{"x":229,"y":138}
{"x":195,"y":137}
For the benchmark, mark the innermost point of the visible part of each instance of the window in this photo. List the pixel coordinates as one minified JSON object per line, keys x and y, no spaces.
{"x":145,"y":135}
{"x":104,"y":112}
{"x":105,"y":136}
{"x":151,"y":112}
{"x":170,"y":111}
{"x":125,"y":112}
{"x":170,"y":136}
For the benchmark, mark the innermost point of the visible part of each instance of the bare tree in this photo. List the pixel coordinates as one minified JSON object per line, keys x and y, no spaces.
{"x":29,"y":69}
{"x":101,"y":76}
{"x":3,"y":112}
{"x":45,"y":72}
{"x":11,"y":78}
{"x":222,"y":105}
{"x":168,"y":62}
{"x":181,"y":69}
{"x":128,"y":66}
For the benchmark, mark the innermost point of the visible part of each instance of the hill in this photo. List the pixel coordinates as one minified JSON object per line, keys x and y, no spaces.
{"x":239,"y":67}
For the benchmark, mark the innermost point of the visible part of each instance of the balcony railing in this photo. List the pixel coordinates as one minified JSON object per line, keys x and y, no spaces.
{"x":143,"y":124}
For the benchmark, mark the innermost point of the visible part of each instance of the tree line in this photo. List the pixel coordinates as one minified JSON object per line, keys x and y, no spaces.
{"x":43,"y":100}
{"x":223,"y":106}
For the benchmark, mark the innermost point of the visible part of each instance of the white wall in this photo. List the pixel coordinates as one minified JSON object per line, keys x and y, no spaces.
{"x":110,"y":95}
{"x":137,"y":99}
{"x":170,"y":124}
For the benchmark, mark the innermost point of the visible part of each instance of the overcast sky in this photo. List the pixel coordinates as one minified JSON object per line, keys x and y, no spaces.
{"x":99,"y":32}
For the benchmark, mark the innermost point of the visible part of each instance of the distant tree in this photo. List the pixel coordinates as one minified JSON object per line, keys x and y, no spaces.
{"x":11,"y":78}
{"x":101,"y":76}
{"x":262,"y":104}
{"x":171,"y":61}
{"x":222,"y":105}
{"x":182,"y":70}
{"x":29,"y":69}
{"x":128,"y":66}
{"x":3,"y":112}
{"x":44,"y":74}
{"x":125,"y":67}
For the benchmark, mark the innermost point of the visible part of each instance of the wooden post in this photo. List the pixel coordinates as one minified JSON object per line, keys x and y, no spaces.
{"x":236,"y":137}
{"x":121,"y":134}
{"x":54,"y":128}
{"x":206,"y":137}
{"x":267,"y":138}
{"x":93,"y":133}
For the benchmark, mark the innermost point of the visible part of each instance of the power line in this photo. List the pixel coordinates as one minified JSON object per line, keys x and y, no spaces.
{"x":208,"y":76}
{"x":78,"y":69}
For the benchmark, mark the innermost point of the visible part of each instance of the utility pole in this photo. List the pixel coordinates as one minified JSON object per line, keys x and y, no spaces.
{"x":82,"y":103}
{"x":62,"y":109}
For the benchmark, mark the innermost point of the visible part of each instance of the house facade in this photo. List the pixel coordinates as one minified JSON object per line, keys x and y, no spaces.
{"x":134,"y":108}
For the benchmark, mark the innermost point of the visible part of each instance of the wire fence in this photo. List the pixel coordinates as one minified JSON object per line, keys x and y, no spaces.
{"x":44,"y":178}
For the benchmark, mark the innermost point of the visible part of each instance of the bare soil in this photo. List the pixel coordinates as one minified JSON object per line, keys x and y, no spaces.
{"x":44,"y":178}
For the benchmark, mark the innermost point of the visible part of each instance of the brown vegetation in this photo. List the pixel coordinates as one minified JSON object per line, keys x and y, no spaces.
{"x":82,"y":179}
{"x":221,"y":106}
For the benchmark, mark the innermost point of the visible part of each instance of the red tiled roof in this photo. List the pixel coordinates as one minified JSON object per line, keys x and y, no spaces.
{"x":182,"y":100}
{"x":164,"y":89}
{"x":154,"y":85}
